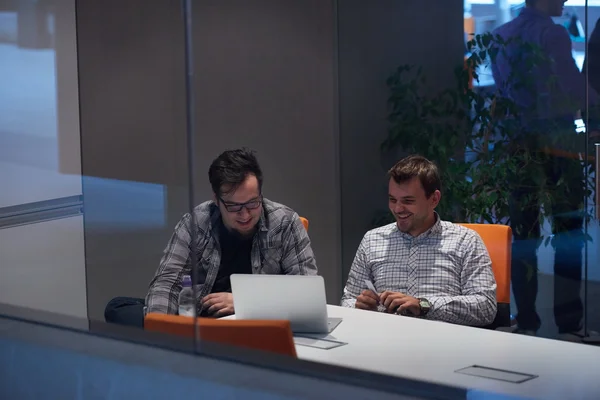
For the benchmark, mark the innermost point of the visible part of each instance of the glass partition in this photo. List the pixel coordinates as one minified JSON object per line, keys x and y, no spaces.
{"x":41,"y":205}
{"x":134,"y":159}
{"x":261,"y":78}
{"x":265,"y":79}
{"x":549,"y":179}
{"x":92,"y":157}
{"x":154,"y":165}
{"x":591,"y":272}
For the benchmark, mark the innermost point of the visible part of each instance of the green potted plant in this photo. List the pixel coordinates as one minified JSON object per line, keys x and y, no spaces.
{"x":470,"y":134}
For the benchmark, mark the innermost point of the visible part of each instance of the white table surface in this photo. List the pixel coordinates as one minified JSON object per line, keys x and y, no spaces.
{"x":431,"y":351}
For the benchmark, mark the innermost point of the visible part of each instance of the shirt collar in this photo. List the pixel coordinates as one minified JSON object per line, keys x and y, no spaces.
{"x":434,"y":230}
{"x":262,"y":222}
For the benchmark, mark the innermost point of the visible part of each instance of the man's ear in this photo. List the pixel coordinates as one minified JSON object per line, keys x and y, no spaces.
{"x":437,"y":196}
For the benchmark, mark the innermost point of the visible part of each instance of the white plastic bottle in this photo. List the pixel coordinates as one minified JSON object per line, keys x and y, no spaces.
{"x":186,"y":297}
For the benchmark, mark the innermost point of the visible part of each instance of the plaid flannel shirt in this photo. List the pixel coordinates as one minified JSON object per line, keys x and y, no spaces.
{"x":280,"y":246}
{"x":448,"y":265}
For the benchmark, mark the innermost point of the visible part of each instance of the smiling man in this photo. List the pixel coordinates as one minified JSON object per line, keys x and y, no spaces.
{"x":419,"y":265}
{"x":238,"y":231}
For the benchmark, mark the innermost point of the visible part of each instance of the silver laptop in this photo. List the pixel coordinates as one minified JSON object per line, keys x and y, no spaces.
{"x":299,"y":299}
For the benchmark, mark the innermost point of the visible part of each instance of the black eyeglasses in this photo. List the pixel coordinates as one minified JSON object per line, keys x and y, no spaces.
{"x":237,"y":207}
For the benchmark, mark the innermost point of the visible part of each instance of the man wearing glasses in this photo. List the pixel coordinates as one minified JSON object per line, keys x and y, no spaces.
{"x":238,"y":232}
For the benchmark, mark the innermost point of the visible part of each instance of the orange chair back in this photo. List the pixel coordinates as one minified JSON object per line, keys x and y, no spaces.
{"x":272,"y":336}
{"x":498,"y":241}
{"x":469,"y":27}
{"x":470,"y":73}
{"x":304,"y":222}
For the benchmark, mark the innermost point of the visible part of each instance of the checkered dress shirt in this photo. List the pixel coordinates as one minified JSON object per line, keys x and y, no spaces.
{"x":280,"y":246}
{"x":448,"y":265}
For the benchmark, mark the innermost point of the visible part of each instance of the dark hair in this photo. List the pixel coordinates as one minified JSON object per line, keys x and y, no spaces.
{"x":530,"y":2}
{"x":231,"y":168}
{"x":417,"y":167}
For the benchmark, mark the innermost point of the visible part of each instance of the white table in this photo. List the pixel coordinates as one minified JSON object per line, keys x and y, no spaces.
{"x":431,"y":351}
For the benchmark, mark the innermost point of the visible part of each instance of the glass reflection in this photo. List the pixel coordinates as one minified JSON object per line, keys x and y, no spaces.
{"x":40,"y":170}
{"x":543,"y":114}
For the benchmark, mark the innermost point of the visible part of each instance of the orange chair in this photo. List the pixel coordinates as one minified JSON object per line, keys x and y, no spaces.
{"x":304,"y":222}
{"x":272,"y":336}
{"x":498,"y":241}
{"x":469,"y":27}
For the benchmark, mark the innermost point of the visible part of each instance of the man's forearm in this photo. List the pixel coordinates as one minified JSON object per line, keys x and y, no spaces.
{"x":159,"y":300}
{"x":473,"y":310}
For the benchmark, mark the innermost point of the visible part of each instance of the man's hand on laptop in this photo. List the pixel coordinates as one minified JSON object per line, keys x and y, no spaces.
{"x":218,"y":304}
{"x":400,"y":303}
{"x":367,"y":300}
